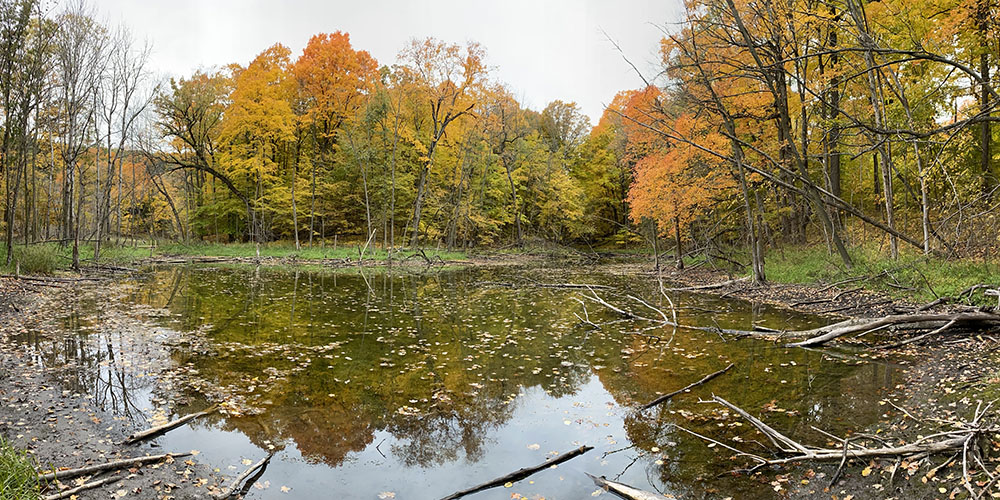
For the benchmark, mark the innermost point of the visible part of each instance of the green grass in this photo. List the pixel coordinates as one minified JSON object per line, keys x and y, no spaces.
{"x":288,"y":250}
{"x":41,"y":259}
{"x":49,"y":258}
{"x":912,"y":275}
{"x":18,"y":480}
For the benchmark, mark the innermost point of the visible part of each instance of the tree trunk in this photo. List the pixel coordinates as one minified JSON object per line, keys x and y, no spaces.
{"x":415,"y":239}
{"x":513,"y":203}
{"x":677,"y":240}
{"x":985,"y":135}
{"x":295,"y":213}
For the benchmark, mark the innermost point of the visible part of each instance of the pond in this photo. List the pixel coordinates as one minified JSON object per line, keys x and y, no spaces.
{"x":406,"y":385}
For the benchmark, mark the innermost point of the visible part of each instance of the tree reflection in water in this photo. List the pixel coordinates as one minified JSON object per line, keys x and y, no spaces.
{"x":325,"y":361}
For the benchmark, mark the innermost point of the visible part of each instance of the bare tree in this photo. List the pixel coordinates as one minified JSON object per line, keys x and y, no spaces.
{"x":78,"y":48}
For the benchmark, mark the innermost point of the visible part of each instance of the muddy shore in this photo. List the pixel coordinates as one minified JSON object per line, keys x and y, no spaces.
{"x":63,"y":428}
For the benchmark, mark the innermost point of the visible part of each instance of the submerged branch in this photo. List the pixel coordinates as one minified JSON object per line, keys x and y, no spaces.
{"x":686,"y":388}
{"x":519,"y":474}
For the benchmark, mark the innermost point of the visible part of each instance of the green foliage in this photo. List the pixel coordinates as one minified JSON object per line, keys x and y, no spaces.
{"x":18,"y":480}
{"x":911,"y":276}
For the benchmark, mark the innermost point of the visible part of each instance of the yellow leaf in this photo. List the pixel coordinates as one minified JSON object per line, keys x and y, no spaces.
{"x":866,"y":472}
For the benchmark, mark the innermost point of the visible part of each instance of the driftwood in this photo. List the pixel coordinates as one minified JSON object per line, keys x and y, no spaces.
{"x":625,"y":491}
{"x":519,"y":474}
{"x":116,"y":465}
{"x":506,"y":284}
{"x":672,"y":394}
{"x":85,"y":486}
{"x":664,"y":320}
{"x":964,"y":295}
{"x":827,"y":333}
{"x":234,"y":486}
{"x":709,"y":286}
{"x":139,"y":436}
{"x":961,"y":440}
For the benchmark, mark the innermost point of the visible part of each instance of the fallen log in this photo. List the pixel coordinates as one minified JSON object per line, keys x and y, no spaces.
{"x":571,"y":286}
{"x":686,"y":388}
{"x":793,"y":451}
{"x":825,"y":334}
{"x":231,"y":490}
{"x":625,"y":491}
{"x":520,"y":473}
{"x":963,"y":295}
{"x":823,"y":301}
{"x":115,"y":465}
{"x":710,"y":286}
{"x":139,"y":436}
{"x":84,"y":487}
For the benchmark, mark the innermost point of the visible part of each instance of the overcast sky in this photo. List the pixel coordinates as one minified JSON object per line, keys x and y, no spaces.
{"x":543,"y":49}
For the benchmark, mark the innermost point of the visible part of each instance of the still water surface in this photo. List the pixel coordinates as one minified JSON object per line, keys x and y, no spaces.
{"x":417,"y":385}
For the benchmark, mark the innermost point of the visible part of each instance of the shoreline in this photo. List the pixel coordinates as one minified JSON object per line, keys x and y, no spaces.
{"x":31,"y":401}
{"x":61,"y":428}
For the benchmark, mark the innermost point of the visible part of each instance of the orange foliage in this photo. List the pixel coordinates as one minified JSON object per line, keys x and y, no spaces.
{"x":675,"y":183}
{"x":334,"y":78}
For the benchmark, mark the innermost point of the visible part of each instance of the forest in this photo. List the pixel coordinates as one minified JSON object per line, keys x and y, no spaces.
{"x":789,"y":223}
{"x":782,"y":124}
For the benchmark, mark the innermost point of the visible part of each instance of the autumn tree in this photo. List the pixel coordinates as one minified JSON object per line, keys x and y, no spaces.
{"x":259,"y":128}
{"x":334,"y":82}
{"x":446,"y":77}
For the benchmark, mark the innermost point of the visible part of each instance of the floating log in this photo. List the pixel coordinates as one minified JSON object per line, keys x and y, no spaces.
{"x":520,"y":473}
{"x":625,"y":491}
{"x":139,"y":436}
{"x":85,"y":486}
{"x":116,"y":465}
{"x":710,"y":286}
{"x":571,"y":286}
{"x":234,"y":486}
{"x":689,"y":386}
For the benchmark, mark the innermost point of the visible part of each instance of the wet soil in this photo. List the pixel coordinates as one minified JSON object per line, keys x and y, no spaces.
{"x":63,"y":429}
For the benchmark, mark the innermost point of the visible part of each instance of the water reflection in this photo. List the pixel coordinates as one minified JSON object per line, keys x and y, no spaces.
{"x":414,"y":379}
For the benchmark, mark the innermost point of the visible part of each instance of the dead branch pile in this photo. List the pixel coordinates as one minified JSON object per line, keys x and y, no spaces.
{"x":961,"y":439}
{"x":921,"y":323}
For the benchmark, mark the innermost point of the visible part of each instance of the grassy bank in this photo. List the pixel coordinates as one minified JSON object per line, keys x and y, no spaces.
{"x":288,"y":250}
{"x":48,"y":258}
{"x":913,"y":275}
{"x":17,"y":474}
